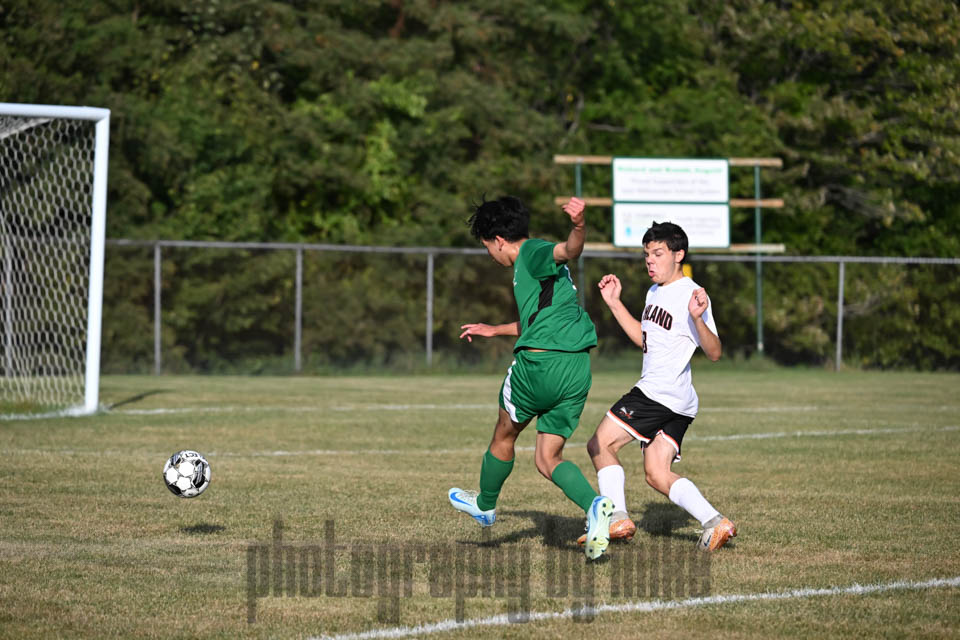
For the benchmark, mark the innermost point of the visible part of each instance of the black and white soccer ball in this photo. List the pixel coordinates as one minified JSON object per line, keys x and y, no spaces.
{"x":186,"y":474}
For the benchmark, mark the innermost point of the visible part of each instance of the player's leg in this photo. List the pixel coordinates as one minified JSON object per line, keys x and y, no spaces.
{"x":603,"y":448}
{"x":563,"y":473}
{"x":633,"y":417}
{"x":559,"y":391}
{"x":513,"y":416}
{"x":575,"y":486}
{"x":553,"y":429}
{"x":563,"y":385}
{"x":657,"y":460}
{"x":498,"y":459}
{"x":494,"y":469}
{"x":606,"y":443}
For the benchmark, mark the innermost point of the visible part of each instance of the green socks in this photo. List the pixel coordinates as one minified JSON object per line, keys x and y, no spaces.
{"x":566,"y":475}
{"x":493,"y":473}
{"x":569,"y":478}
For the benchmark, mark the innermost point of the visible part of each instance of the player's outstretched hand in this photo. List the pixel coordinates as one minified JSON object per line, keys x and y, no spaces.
{"x":610,"y":288}
{"x":477,"y":329}
{"x":574,"y":209}
{"x":698,"y":302}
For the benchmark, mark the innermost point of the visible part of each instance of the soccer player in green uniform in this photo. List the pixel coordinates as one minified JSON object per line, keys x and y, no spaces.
{"x":550,"y":375}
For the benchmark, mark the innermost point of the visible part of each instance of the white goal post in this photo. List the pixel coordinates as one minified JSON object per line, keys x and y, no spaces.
{"x":53,"y":194}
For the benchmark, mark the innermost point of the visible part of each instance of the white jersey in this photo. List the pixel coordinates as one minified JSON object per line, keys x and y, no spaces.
{"x":669,"y":340}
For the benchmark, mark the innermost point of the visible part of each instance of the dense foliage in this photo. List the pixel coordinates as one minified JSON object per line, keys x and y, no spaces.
{"x":378,"y":122}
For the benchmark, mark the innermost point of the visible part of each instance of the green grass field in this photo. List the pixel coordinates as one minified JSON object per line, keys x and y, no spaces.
{"x":835,"y":480}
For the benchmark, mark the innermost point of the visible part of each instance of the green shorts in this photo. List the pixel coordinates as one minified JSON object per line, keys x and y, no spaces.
{"x":551,"y":385}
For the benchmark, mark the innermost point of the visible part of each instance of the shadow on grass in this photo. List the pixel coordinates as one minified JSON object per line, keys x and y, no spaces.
{"x":557,"y":532}
{"x":561,"y":532}
{"x":136,"y":398}
{"x":661,"y":519}
{"x":203,"y":529}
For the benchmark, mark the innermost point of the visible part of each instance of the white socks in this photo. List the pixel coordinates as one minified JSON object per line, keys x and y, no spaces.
{"x":685,"y":494}
{"x":610,"y":482}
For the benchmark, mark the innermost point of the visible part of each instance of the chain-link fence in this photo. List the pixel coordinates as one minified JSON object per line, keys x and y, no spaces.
{"x":218,"y":307}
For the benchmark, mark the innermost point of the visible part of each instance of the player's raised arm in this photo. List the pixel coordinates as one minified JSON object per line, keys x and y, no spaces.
{"x":709,"y":341}
{"x":573,"y":247}
{"x":489,"y":330}
{"x":610,"y":289}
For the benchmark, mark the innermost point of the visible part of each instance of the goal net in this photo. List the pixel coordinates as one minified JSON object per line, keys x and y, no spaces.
{"x":53,"y":176}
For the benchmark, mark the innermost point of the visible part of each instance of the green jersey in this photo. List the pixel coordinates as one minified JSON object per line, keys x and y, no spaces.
{"x":550,"y":316}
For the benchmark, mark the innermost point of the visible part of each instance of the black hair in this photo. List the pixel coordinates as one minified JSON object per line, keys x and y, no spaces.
{"x":505,"y":217}
{"x":670,"y":234}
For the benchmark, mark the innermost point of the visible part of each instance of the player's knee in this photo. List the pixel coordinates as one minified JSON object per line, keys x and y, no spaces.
{"x":602,"y":443}
{"x":544,"y":468}
{"x":502,"y":431}
{"x":650,"y":476}
{"x":655,"y":478}
{"x":593,"y":446}
{"x":546,"y":464}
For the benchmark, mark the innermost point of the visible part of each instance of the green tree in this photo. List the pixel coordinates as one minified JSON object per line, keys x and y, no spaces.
{"x":380,"y":121}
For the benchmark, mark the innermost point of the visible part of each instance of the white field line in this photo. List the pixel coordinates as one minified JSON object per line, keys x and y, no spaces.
{"x":489,"y":406}
{"x":818,"y":434}
{"x":389,"y":452}
{"x":646,"y":607}
{"x":735,"y":436}
{"x":354,"y":408}
{"x":357,"y":408}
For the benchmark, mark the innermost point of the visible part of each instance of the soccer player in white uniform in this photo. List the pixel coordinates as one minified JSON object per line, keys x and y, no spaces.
{"x":676,"y":319}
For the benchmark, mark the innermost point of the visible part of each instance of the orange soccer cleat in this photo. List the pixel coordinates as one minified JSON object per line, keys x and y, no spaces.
{"x":716,"y":536}
{"x":622,"y":528}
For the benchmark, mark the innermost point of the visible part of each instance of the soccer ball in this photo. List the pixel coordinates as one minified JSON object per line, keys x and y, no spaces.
{"x":186,"y":474}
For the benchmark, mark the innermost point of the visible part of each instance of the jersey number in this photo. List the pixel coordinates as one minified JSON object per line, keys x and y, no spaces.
{"x":643,"y":345}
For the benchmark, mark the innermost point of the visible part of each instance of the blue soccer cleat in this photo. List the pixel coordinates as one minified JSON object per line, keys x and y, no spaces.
{"x":598,"y":527}
{"x":466,"y":501}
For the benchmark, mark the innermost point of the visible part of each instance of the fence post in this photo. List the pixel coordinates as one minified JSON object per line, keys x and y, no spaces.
{"x":758,"y":234}
{"x":156,"y":308}
{"x":429,"y":337}
{"x":578,"y":190}
{"x":298,"y":312}
{"x":840,"y":278}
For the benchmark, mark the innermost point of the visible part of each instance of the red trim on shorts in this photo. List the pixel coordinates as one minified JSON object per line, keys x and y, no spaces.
{"x":676,"y":447}
{"x":626,"y":427}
